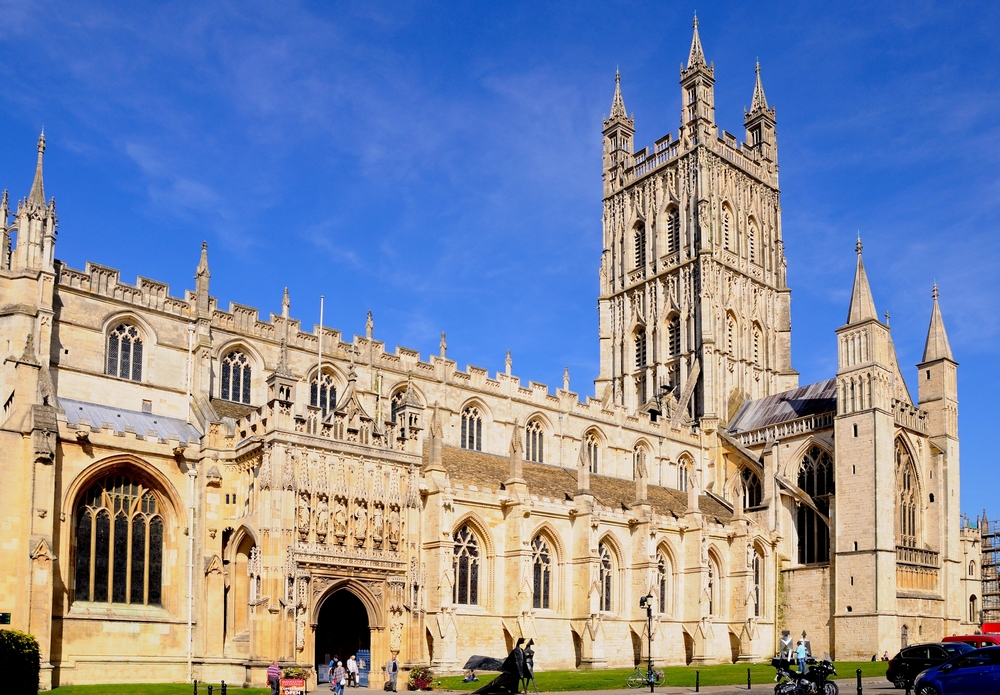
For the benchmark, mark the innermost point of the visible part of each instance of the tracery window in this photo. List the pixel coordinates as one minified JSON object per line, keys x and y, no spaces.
{"x":752,"y":241}
{"x":673,"y":230}
{"x":758,"y":581}
{"x":711,"y":587}
{"x":906,"y":497}
{"x":752,"y":492}
{"x":323,"y":394}
{"x":757,"y":340}
{"x":235,"y":377}
{"x":396,"y":403}
{"x":534,"y":442}
{"x":541,"y":562}
{"x":663,"y":581}
{"x":472,"y":429}
{"x":674,"y":336}
{"x":125,"y":352}
{"x":640,"y":247}
{"x":682,"y":476}
{"x":816,"y":480}
{"x":465,"y":565}
{"x":592,"y":451}
{"x":731,"y":335}
{"x":605,"y":575}
{"x":726,"y":224}
{"x":119,"y":544}
{"x":640,"y":349}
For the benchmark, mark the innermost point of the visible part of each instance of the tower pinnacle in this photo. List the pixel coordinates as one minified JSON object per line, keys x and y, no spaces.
{"x":937,"y":347}
{"x":862,"y":303}
{"x":37,"y":194}
{"x":617,"y":103}
{"x":759,"y":102}
{"x":697,"y":55}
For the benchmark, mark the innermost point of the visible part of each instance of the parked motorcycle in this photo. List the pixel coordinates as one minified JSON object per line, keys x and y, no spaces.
{"x":815,"y":681}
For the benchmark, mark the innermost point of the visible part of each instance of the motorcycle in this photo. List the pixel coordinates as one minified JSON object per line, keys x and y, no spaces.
{"x":815,"y":681}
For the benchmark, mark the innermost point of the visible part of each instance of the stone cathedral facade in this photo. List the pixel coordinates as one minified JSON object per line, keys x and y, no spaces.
{"x":192,"y":491}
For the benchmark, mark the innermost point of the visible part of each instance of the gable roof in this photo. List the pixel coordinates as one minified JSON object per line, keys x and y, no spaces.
{"x":812,"y":399}
{"x":121,"y":421}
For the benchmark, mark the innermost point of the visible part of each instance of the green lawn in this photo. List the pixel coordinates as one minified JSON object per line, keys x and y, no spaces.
{"x":722,"y":674}
{"x":154,"y":689}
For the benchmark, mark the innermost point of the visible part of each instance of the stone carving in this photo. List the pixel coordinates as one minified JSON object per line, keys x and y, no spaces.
{"x":288,"y":472}
{"x":322,"y":519}
{"x":300,"y":634}
{"x":340,"y":521}
{"x":303,"y":516}
{"x":394,"y":528}
{"x":264,"y":473}
{"x":360,"y":524}
{"x":376,"y":526}
{"x":395,"y":629}
{"x":413,"y":489}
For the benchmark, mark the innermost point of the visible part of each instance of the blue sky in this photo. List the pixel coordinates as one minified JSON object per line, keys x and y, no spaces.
{"x":439,"y":163}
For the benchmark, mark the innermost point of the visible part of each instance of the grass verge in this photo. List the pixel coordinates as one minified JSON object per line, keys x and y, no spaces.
{"x":155,"y":689}
{"x":677,"y":676}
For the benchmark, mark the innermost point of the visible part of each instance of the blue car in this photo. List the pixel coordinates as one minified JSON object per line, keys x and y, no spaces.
{"x":972,"y":673}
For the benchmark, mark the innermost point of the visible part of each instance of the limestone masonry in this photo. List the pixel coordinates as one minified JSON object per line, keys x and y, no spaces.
{"x":191,"y":492}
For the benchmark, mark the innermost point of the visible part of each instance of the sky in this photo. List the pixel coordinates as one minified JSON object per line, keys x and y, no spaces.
{"x":440,"y":163}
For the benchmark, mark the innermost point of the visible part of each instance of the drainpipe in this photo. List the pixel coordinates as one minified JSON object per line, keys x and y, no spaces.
{"x":190,"y":568}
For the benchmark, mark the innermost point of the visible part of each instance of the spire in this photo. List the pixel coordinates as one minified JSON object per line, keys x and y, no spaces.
{"x":697,"y":55}
{"x":617,"y":103}
{"x":759,"y":102}
{"x":286,"y":304}
{"x":202,"y":270}
{"x":862,"y":304}
{"x":37,"y":194}
{"x":201,"y":276}
{"x":937,"y":347}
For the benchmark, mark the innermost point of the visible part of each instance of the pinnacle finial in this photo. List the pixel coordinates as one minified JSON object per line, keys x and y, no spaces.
{"x":697,"y":55}
{"x":618,"y":103}
{"x":759,"y":101}
{"x":202,"y":270}
{"x":934,"y":292}
{"x":858,"y":246}
{"x":37,"y":194}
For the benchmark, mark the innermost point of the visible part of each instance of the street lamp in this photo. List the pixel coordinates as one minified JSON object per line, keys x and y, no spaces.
{"x":647,"y":603}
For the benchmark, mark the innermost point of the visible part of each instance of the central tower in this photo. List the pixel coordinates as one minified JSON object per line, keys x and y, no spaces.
{"x":694,"y":308}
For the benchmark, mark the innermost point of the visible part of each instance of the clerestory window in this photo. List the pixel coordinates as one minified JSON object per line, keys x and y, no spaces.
{"x":323,"y":394}
{"x":465,"y":564}
{"x":235,"y":377}
{"x":816,"y":480}
{"x":125,"y":352}
{"x":534,"y":442}
{"x":472,"y":429}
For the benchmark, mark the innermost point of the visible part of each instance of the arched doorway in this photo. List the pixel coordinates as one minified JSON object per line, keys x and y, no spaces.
{"x":342,"y":628}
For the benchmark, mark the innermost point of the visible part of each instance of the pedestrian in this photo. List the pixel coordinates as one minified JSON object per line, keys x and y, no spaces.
{"x":339,"y":678}
{"x":800,"y":654}
{"x":274,"y":677}
{"x":352,"y":672}
{"x":391,"y":672}
{"x":885,"y":656}
{"x":329,"y":670}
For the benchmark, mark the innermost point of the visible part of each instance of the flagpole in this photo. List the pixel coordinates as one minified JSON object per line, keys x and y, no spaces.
{"x":319,"y":369}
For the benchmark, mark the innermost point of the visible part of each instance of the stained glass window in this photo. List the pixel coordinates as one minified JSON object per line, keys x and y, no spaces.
{"x":592,"y":451}
{"x":541,"y":561}
{"x":674,"y":336}
{"x":751,"y":488}
{"x":323,"y":394}
{"x":682,"y":476}
{"x":906,"y":497}
{"x":125,"y":555}
{"x":534,"y":442}
{"x":466,"y":567}
{"x":816,"y":480}
{"x":606,"y":572}
{"x":125,"y":353}
{"x":758,"y":581}
{"x":472,"y":429}
{"x":235,"y":378}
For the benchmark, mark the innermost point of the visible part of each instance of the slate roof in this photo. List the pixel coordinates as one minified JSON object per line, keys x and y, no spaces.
{"x":813,"y":399}
{"x":120,"y":420}
{"x":554,"y":482}
{"x":225,"y":408}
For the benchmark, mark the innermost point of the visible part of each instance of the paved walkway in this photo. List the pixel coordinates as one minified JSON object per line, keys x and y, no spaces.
{"x":848,"y":686}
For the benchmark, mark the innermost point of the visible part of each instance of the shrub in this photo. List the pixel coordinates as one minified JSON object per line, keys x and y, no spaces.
{"x":20,"y":657}
{"x":295,"y":672}
{"x":420,"y":679}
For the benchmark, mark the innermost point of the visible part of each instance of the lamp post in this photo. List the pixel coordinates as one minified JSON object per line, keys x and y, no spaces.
{"x":647,"y":603}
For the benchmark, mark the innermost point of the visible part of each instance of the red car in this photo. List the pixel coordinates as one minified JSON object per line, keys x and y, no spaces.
{"x":977,"y":641}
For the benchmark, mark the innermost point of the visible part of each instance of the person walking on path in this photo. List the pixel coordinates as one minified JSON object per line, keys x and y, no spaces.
{"x":800,"y":654}
{"x":274,"y":677}
{"x":392,"y":672}
{"x":352,"y":672}
{"x":338,"y":678}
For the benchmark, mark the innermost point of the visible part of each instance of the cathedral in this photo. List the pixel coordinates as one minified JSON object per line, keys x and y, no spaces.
{"x":192,"y":491}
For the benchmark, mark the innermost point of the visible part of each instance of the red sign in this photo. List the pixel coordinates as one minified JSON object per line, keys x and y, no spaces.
{"x":292,"y":686}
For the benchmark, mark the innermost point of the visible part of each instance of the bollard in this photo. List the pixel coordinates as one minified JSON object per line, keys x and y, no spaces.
{"x":697,"y":681}
{"x":223,"y":687}
{"x":196,"y":688}
{"x":210,"y":690}
{"x":749,"y":686}
{"x":859,"y":682}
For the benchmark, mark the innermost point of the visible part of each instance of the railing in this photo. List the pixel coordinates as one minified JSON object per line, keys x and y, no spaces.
{"x":810,"y":423}
{"x":916,"y":556}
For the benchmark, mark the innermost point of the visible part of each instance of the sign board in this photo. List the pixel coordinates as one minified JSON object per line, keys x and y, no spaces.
{"x":292,"y":686}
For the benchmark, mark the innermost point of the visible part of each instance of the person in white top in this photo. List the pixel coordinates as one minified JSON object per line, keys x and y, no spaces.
{"x":352,"y":672}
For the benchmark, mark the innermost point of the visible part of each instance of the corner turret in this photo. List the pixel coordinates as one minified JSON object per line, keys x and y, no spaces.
{"x":619,"y":131}
{"x":36,"y":225}
{"x":937,"y":378}
{"x":760,"y":121}
{"x":697,"y":95}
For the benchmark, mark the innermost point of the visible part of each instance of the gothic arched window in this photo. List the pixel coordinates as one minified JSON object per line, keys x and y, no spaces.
{"x":472,"y":429}
{"x":758,"y":339}
{"x":731,"y":335}
{"x":673,"y":230}
{"x":235,"y":377}
{"x":606,"y":574}
{"x":466,"y":567}
{"x":752,"y":241}
{"x":119,"y":544}
{"x":758,"y":582}
{"x":906,"y":498}
{"x":726,"y":224}
{"x":541,"y":563}
{"x":640,"y":349}
{"x":663,"y":581}
{"x":973,"y":610}
{"x":640,"y":247}
{"x":712,"y":587}
{"x":682,"y":476}
{"x":972,"y":569}
{"x":816,"y":480}
{"x":752,"y":492}
{"x":534,"y":442}
{"x":674,"y":336}
{"x":125,"y":352}
{"x":323,"y":394}
{"x":592,"y":451}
